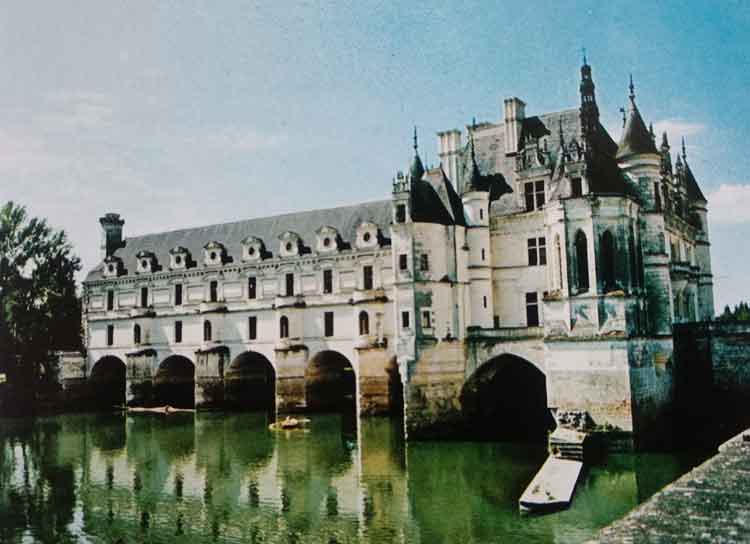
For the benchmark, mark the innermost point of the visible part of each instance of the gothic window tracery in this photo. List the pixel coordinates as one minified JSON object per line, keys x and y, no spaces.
{"x":581,"y":262}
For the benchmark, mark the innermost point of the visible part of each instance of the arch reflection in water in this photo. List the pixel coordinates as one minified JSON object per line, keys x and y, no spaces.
{"x":225,"y":478}
{"x":250,"y":383}
{"x":506,"y":399}
{"x":174,"y":383}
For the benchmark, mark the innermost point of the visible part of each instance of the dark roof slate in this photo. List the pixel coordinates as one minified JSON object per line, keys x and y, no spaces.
{"x":636,"y":138}
{"x":691,"y":185}
{"x":345,"y":219}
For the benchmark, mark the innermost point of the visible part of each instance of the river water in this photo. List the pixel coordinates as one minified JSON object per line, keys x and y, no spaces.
{"x":212,"y":477}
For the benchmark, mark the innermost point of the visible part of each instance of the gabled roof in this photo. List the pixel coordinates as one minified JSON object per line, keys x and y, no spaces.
{"x":345,"y":219}
{"x":636,"y":139}
{"x":434,"y":200}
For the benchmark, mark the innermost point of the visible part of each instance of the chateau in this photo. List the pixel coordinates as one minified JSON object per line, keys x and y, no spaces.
{"x":541,"y":266}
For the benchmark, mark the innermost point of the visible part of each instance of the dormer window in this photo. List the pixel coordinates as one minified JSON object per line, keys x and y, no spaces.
{"x":112,"y":267}
{"x":146,"y":262}
{"x":328,"y":239}
{"x":252,"y":249}
{"x":213,"y":254}
{"x":367,"y":235}
{"x":178,"y":258}
{"x":290,"y":244}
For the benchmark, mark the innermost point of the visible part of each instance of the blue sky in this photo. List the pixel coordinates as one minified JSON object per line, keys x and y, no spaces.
{"x":177,"y":114}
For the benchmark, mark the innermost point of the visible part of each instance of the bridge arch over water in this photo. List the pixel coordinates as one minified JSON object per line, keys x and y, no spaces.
{"x":108,"y":382}
{"x":250,"y":382}
{"x":330,"y":383}
{"x":174,"y":382}
{"x":506,"y":399}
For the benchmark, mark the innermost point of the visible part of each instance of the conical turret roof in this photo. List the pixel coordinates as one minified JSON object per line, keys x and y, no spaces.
{"x":636,"y":138}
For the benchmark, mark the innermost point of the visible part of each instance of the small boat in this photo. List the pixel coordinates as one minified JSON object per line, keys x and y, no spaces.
{"x":289,"y":423}
{"x":166,"y":410}
{"x":553,"y":486}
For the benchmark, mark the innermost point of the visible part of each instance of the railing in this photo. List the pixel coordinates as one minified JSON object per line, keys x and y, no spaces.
{"x":507,"y":333}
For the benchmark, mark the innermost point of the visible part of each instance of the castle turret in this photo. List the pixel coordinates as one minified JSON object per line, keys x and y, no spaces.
{"x":111,"y":233}
{"x":589,"y":111}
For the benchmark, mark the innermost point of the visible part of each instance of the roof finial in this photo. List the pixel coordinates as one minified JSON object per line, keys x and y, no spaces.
{"x":416,"y":146}
{"x":632,"y":89}
{"x":664,"y":141}
{"x":624,"y":117}
{"x":562,"y":139}
{"x":583,"y":50}
{"x":651,"y":131}
{"x":684,"y":155}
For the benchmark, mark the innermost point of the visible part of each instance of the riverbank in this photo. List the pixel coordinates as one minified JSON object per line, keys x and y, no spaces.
{"x":711,"y":503}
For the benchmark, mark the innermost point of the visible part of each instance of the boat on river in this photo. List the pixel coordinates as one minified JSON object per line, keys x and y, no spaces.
{"x":164,"y":410}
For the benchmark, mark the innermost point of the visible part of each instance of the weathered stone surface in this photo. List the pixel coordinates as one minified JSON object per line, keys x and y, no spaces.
{"x":709,"y":504}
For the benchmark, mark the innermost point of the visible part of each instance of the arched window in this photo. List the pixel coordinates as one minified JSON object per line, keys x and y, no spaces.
{"x":582,"y":262}
{"x":136,"y":334}
{"x":607,"y":252}
{"x":284,"y":327}
{"x":364,"y":323}
{"x":206,"y":331}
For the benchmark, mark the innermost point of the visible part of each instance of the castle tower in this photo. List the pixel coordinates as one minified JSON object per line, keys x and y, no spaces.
{"x":476,"y":203}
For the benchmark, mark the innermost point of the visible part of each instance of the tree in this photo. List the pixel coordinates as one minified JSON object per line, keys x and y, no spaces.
{"x":741,"y":312}
{"x":39,"y":309}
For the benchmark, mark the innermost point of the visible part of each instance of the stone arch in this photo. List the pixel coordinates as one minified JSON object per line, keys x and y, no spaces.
{"x":174,"y":382}
{"x":108,"y":382}
{"x":330,"y":383}
{"x":250,"y":383}
{"x":506,"y":399}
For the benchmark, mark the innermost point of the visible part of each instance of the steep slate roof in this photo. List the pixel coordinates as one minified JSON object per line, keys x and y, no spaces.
{"x":345,"y":219}
{"x":636,"y":138}
{"x":691,"y":185}
{"x":449,"y":199}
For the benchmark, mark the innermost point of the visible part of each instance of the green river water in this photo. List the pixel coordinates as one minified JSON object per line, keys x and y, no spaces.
{"x":213,"y":477}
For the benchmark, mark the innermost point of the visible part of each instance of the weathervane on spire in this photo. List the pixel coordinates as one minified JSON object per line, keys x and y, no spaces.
{"x":632,"y":88}
{"x":684,"y":155}
{"x":416,"y":146}
{"x":583,"y":51}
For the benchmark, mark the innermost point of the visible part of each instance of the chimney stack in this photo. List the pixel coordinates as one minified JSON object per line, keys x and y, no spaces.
{"x":515,"y":111}
{"x":111,"y":233}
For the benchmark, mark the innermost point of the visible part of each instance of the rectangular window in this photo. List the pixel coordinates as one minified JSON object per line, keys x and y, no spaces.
{"x":402,"y":262}
{"x":534,"y":195}
{"x":110,"y":335}
{"x":144,"y":297}
{"x":424,"y":262}
{"x":537,"y":250}
{"x":484,"y":301}
{"x":328,"y":281}
{"x":110,"y":300}
{"x":496,"y":321}
{"x":177,"y":332}
{"x":367,"y":277}
{"x":532,"y":310}
{"x":401,"y":213}
{"x":214,"y":291}
{"x":531,"y":245}
{"x":426,"y":319}
{"x":483,"y":254}
{"x":252,"y":327}
{"x":328,"y":324}
{"x":178,"y":294}
{"x":404,"y":320}
{"x":252,"y":288}
{"x":289,"y":285}
{"x":576,"y":188}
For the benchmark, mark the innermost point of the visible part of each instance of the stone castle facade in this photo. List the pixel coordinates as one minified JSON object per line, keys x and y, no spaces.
{"x":537,"y":240}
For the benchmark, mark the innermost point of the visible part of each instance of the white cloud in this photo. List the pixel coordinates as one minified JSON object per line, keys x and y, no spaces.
{"x":677,"y":129}
{"x":730,"y":204}
{"x":76,"y":110}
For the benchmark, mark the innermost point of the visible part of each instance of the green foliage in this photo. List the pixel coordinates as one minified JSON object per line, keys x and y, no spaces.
{"x":39,"y":309}
{"x":741,"y":312}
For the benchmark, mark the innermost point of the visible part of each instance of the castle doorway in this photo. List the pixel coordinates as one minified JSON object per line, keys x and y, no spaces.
{"x":108,"y":383}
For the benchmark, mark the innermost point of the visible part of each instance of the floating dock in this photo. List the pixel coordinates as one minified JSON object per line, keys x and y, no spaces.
{"x":553,"y":486}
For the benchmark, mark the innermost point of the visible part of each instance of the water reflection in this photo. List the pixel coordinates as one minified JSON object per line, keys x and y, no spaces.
{"x":213,"y":477}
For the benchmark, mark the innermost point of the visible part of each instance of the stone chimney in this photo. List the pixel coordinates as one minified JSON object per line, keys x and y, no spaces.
{"x":449,"y":146}
{"x":515,"y":111}
{"x":111,"y":233}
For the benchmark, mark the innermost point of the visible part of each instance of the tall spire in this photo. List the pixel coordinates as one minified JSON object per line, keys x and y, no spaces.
{"x":684,"y":155}
{"x":417,"y":169}
{"x":664,"y":141}
{"x":632,"y":91}
{"x":589,"y":111}
{"x":666,"y":157}
{"x":475,"y":177}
